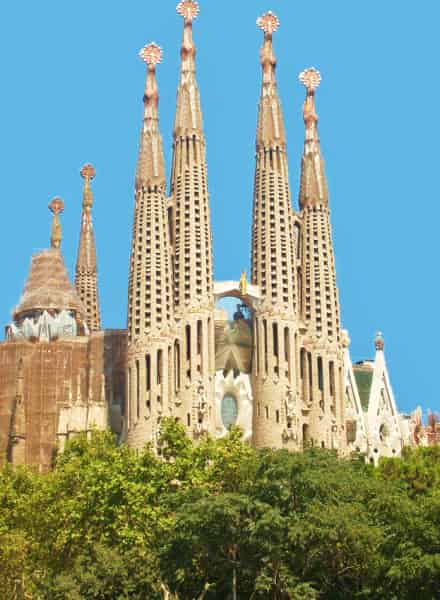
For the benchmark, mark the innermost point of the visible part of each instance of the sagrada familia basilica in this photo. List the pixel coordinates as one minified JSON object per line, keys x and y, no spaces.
{"x":279,"y":367}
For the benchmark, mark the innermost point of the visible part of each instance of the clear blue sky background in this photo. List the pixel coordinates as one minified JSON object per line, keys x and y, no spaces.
{"x":72,"y":89}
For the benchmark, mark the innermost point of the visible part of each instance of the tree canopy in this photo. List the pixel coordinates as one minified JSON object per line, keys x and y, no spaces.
{"x":220,"y":520}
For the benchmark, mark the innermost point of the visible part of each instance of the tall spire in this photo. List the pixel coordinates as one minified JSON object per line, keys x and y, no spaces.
{"x":150,"y":167}
{"x":318,"y":259}
{"x":273,"y":253}
{"x":188,"y":114}
{"x":270,"y":129}
{"x":191,"y":239}
{"x":313,"y":186}
{"x":273,"y":264}
{"x":150,"y":302}
{"x":56,"y":207}
{"x":86,"y":279}
{"x":323,"y":344}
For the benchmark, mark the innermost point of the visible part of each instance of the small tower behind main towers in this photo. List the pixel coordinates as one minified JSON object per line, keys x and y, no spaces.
{"x":191,"y":241}
{"x":86,"y":276}
{"x":274,"y":377}
{"x":150,"y":304}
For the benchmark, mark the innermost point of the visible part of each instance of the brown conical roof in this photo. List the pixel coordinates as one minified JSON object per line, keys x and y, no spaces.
{"x":48,"y":286}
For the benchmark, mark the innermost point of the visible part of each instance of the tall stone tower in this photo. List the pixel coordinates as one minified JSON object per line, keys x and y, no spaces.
{"x":86,"y":277}
{"x":192,"y":247}
{"x":150,"y":303}
{"x":273,"y":268}
{"x":322,"y":351}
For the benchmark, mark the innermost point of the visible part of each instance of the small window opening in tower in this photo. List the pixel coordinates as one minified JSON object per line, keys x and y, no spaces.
{"x":137,"y":390}
{"x":199,"y":336}
{"x":177,"y":366}
{"x":310,"y":369}
{"x":275,"y":339}
{"x":159,"y":367}
{"x":331,"y":368}
{"x":188,"y":342}
{"x":148,"y":372}
{"x":320,"y":374}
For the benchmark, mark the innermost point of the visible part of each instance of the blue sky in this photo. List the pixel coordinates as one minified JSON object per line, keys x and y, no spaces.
{"x":72,"y":87}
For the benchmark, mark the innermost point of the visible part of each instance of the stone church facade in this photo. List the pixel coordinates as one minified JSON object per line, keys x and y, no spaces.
{"x":278,"y":366}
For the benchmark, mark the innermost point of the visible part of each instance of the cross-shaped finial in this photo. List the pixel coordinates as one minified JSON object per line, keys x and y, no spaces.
{"x":151,"y":54}
{"x":188,"y":9}
{"x":310,"y":78}
{"x":268,"y":22}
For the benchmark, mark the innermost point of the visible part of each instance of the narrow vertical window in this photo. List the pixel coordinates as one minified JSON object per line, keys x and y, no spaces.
{"x":159,"y":374}
{"x":129,"y":398}
{"x":177,"y":366}
{"x":276,"y":348}
{"x":331,"y":372}
{"x":286,"y":344}
{"x":265,"y":345}
{"x":188,"y":342}
{"x":310,"y":369}
{"x":148,"y":372}
{"x":275,"y":339}
{"x":199,"y":337}
{"x":257,"y":346}
{"x":210,"y":349}
{"x":320,"y":375}
{"x":138,"y":398}
{"x":298,"y":241}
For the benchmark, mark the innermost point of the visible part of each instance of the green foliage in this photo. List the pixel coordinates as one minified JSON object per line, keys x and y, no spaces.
{"x":217,"y":519}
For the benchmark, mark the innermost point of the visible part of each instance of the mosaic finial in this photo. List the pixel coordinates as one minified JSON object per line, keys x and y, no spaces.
{"x":188,"y":9}
{"x":88,"y":172}
{"x":151,"y":54}
{"x":310,"y":78}
{"x":379,"y":341}
{"x":56,"y":207}
{"x":268,"y":22}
